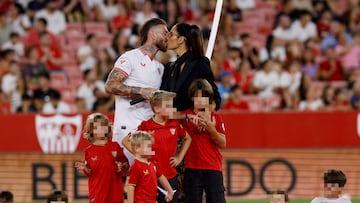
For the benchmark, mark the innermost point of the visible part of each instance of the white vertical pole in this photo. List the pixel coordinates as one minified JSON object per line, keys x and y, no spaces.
{"x":214,"y":29}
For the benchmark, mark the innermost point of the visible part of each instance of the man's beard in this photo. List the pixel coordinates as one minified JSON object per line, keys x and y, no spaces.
{"x":161,"y":45}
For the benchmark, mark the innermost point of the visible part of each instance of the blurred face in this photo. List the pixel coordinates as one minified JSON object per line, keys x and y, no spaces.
{"x":167,"y":109}
{"x":145,"y":148}
{"x":277,"y":198}
{"x":201,"y":103}
{"x":332,"y":190}
{"x":100,"y":129}
{"x":45,"y":40}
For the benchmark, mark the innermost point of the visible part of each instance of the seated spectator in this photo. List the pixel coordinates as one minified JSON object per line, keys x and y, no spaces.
{"x":303,"y":28}
{"x":232,"y":9}
{"x":104,"y":102}
{"x":248,"y":51}
{"x":76,"y":11}
{"x":244,"y":77}
{"x":56,"y":105}
{"x":323,"y":24}
{"x":20,"y":22}
{"x":87,"y":54}
{"x":235,"y":101}
{"x":308,"y":64}
{"x":336,"y":27}
{"x":145,"y":14}
{"x":11,"y":86}
{"x":80,"y":105}
{"x":123,"y":19}
{"x":6,"y":197}
{"x":289,"y":83}
{"x":57,"y":196}
{"x":5,"y":106}
{"x":48,"y":54}
{"x":225,"y":84}
{"x":5,"y":28}
{"x":54,"y":16}
{"x":32,"y":67}
{"x":104,"y":64}
{"x":341,"y":101}
{"x":327,"y":96}
{"x":15,"y":44}
{"x":106,"y":10}
{"x":283,"y":33}
{"x":348,"y":53}
{"x":86,"y":90}
{"x":43,"y":92}
{"x":32,"y":38}
{"x":232,"y":60}
{"x":355,"y":97}
{"x":27,"y":105}
{"x":311,"y":102}
{"x":266,"y":80}
{"x":6,"y":57}
{"x":330,"y":69}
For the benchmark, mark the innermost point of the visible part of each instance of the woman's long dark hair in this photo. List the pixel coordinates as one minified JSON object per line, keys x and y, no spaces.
{"x":193,"y":37}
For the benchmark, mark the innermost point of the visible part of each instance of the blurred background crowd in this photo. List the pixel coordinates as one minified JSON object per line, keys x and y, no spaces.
{"x":269,"y":55}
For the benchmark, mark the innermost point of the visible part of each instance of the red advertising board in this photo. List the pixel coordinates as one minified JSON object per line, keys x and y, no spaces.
{"x":36,"y":133}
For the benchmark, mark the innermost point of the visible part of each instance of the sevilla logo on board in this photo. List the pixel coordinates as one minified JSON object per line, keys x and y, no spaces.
{"x":58,"y":134}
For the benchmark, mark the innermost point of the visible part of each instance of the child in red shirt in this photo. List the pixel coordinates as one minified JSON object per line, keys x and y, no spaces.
{"x":203,"y":161}
{"x":144,"y":174}
{"x":104,"y":163}
{"x":166,"y":133}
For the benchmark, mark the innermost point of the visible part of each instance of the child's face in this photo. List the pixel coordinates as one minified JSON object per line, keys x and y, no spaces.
{"x":145,"y":149}
{"x":167,"y":109}
{"x":277,"y":198}
{"x":332,"y":190}
{"x":201,"y":103}
{"x":100,"y":129}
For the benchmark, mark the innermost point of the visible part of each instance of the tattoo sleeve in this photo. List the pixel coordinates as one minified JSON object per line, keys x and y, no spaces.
{"x":114,"y":85}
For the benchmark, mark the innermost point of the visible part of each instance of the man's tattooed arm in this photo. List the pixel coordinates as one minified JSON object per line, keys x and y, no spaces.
{"x":114,"y":85}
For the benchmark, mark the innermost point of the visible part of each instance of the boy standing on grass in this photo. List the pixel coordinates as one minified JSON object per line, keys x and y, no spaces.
{"x":166,"y":133}
{"x":105,"y":162}
{"x":334,"y":182}
{"x":144,"y":174}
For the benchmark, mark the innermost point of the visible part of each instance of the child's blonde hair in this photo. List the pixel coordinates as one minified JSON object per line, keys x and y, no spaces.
{"x":138,"y":137}
{"x":159,"y":96}
{"x":89,"y":125}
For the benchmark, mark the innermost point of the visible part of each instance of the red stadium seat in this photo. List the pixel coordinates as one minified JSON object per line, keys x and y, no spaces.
{"x":58,"y":79}
{"x":96,"y":28}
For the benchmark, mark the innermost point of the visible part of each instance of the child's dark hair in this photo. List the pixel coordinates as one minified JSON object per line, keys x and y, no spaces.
{"x":201,"y":85}
{"x":335,"y":176}
{"x":89,"y":126}
{"x":57,"y":195}
{"x":6,"y":197}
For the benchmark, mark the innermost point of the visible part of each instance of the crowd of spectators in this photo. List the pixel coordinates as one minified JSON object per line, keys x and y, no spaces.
{"x":269,"y":55}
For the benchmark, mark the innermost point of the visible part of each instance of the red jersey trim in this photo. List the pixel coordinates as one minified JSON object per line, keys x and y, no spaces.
{"x":121,"y":70}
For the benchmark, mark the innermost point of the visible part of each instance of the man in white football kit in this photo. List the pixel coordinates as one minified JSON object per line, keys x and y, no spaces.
{"x":136,"y":74}
{"x":334,"y":182}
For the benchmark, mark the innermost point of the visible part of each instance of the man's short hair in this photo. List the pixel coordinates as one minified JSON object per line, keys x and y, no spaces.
{"x":335,"y":176}
{"x":57,"y":195}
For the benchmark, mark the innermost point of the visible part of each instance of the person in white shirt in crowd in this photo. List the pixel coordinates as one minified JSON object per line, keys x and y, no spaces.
{"x":283,"y":33}
{"x":55,"y":17}
{"x":266,"y":80}
{"x":87,"y":53}
{"x":86,"y":90}
{"x":15,"y":44}
{"x":56,"y":105}
{"x":303,"y":28}
{"x":145,"y":14}
{"x":312,"y":101}
{"x":106,"y":10}
{"x":289,"y":83}
{"x":10,"y":85}
{"x":21,"y":23}
{"x":5,"y":29}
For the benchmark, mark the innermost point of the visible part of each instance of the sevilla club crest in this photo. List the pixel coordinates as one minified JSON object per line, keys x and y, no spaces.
{"x":58,"y":134}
